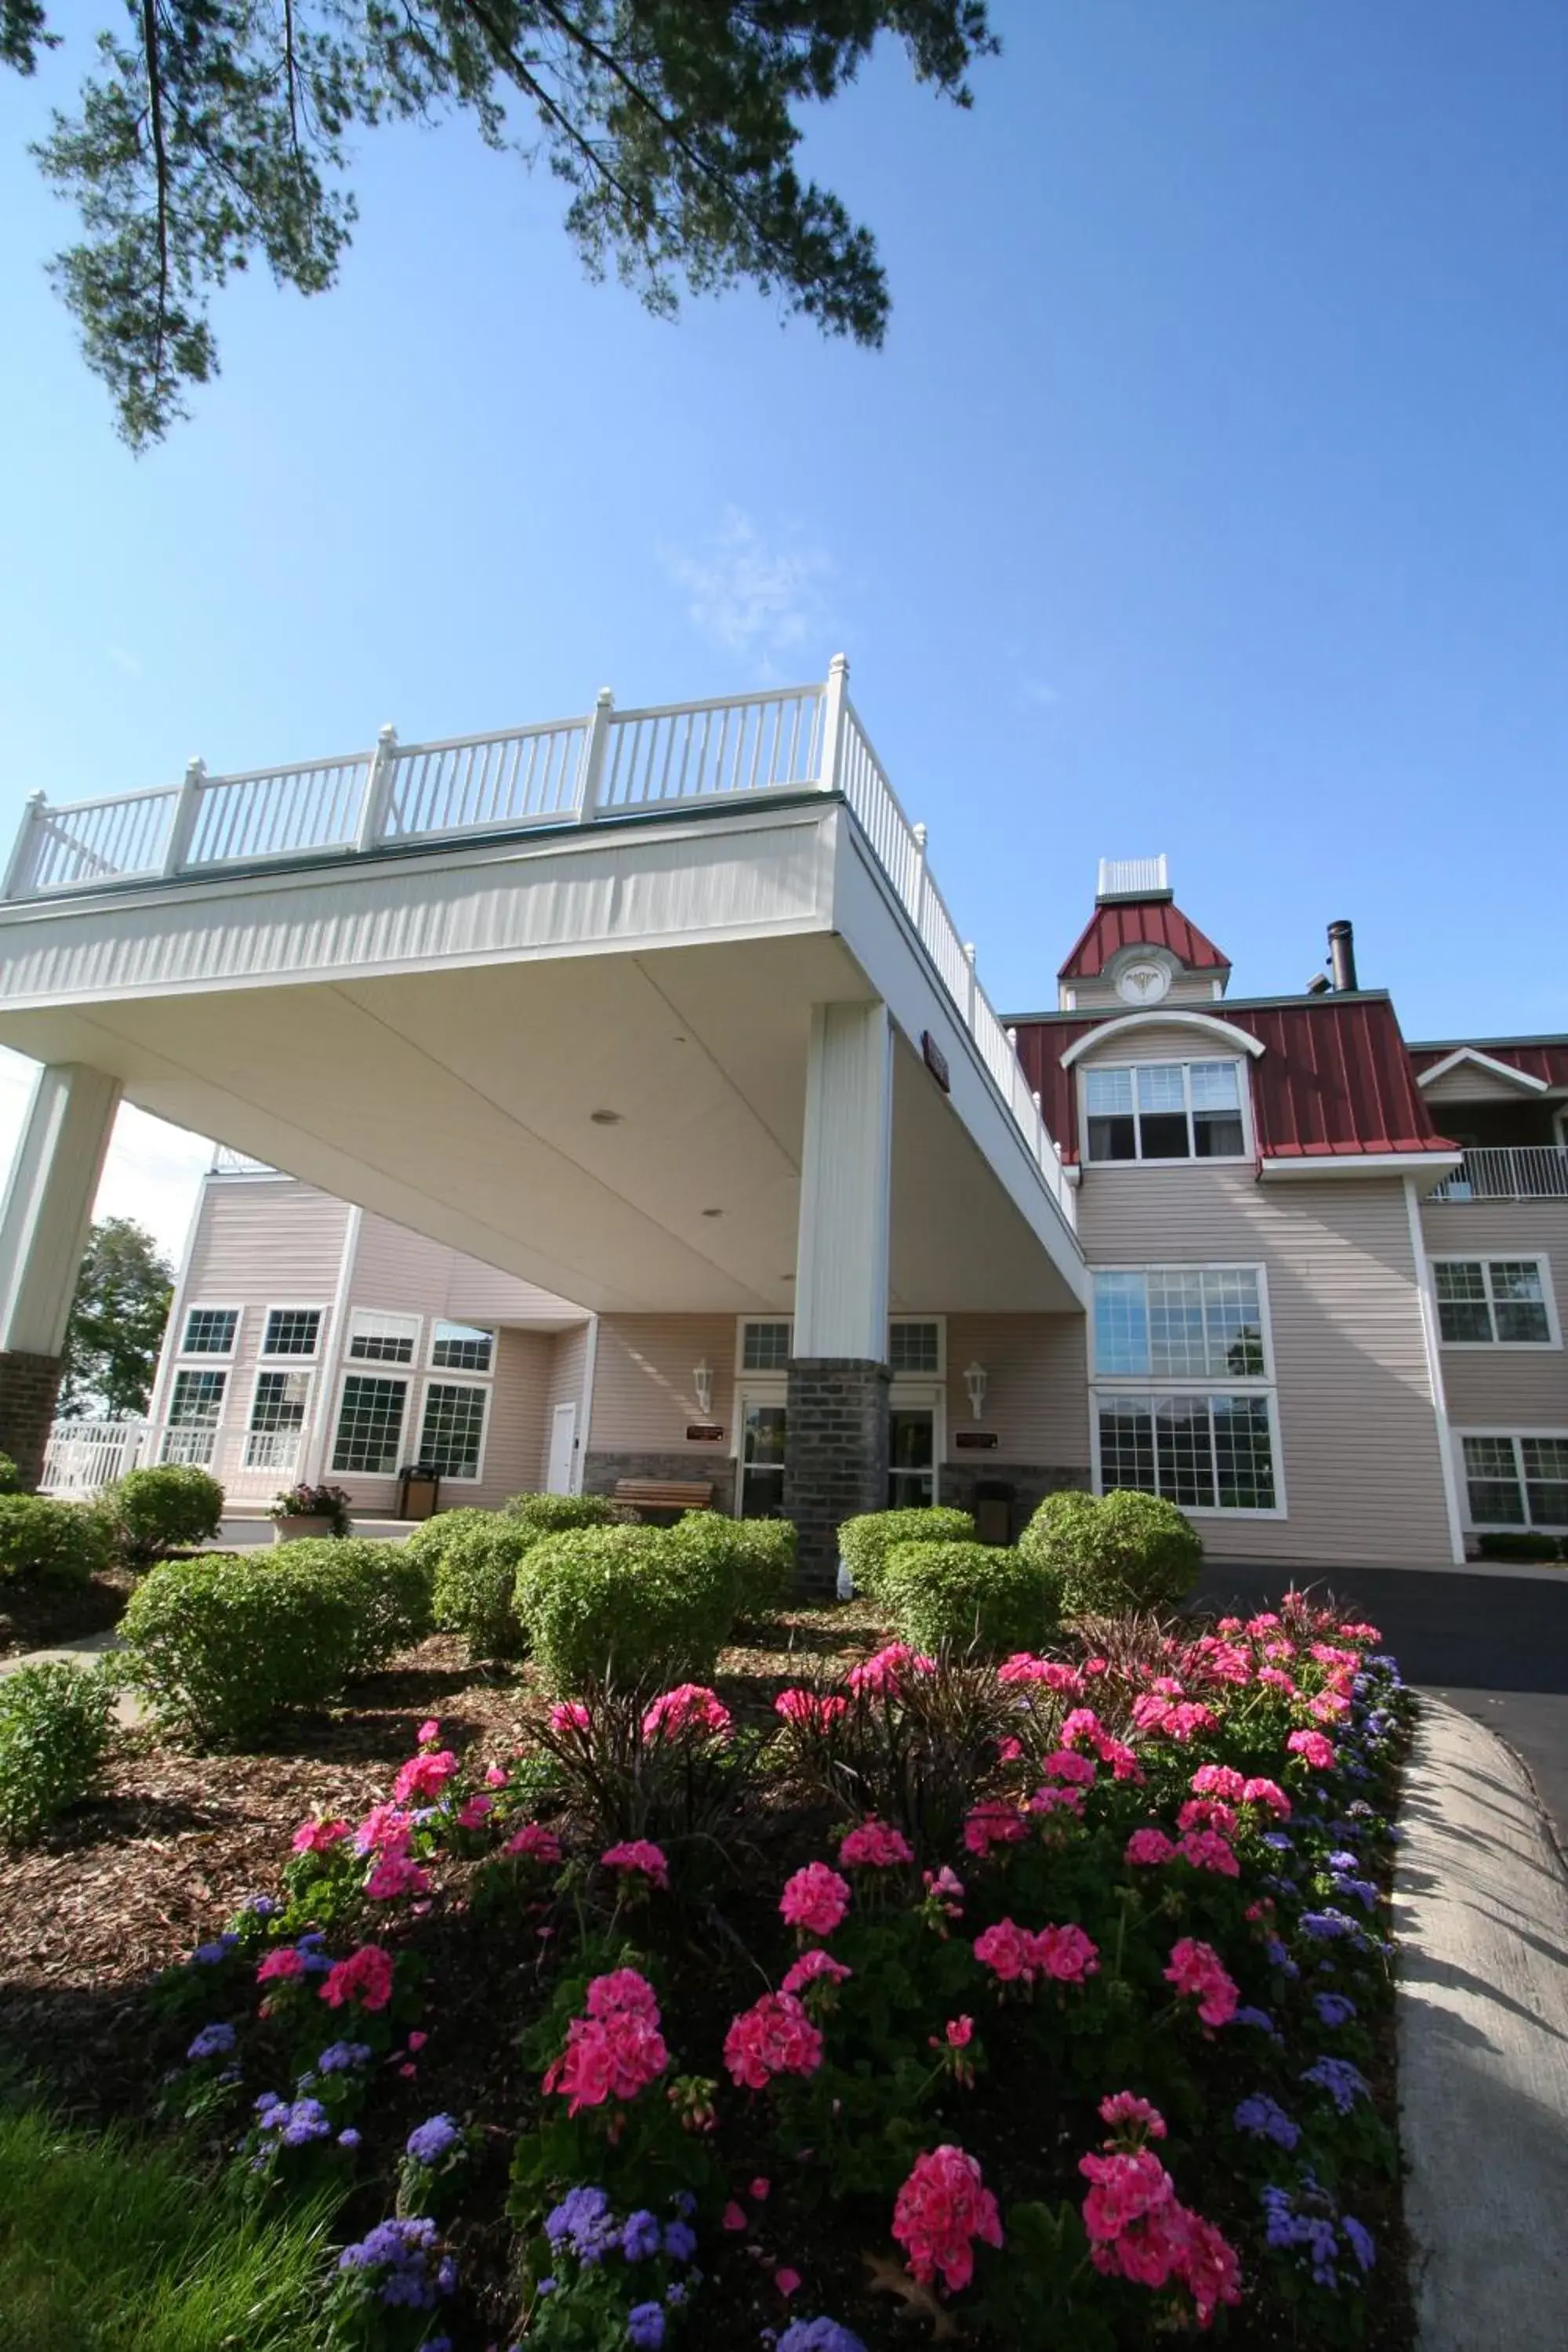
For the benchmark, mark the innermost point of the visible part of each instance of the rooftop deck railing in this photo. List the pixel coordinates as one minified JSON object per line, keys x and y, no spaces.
{"x":679,"y":758}
{"x":1525,"y":1171}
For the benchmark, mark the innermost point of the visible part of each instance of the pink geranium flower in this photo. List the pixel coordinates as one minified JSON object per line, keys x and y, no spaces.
{"x":874,"y":1846}
{"x":814,"y":1900}
{"x":946,"y":1890}
{"x":616,"y":2050}
{"x":280,"y":1966}
{"x":811,"y":1709}
{"x":1266,"y":1793}
{"x":1197,"y":1970}
{"x":1207,"y":1850}
{"x":814,"y":1966}
{"x":1207,"y":1813}
{"x":385,"y":1828}
{"x":1218,"y":1780}
{"x":1147,"y":1849}
{"x":365,"y":1978}
{"x":318,"y":1837}
{"x":993,"y":1822}
{"x":884,"y":1675}
{"x":1052,"y":1672}
{"x":471,"y":1812}
{"x":775,"y":2036}
{"x":393,"y":1876}
{"x":693,"y":1707}
{"x":1067,"y":1764}
{"x":535,"y":1843}
{"x":496,"y":1776}
{"x":641,"y":1858}
{"x":786,"y":2281}
{"x":942,"y":2210}
{"x":429,"y":1732}
{"x":569,"y":1715}
{"x":421,"y":1781}
{"x":1136,"y":2115}
{"x":1312,"y":1749}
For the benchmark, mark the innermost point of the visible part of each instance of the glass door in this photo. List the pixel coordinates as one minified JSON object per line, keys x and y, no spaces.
{"x":911,"y":1457}
{"x":761,"y":1460}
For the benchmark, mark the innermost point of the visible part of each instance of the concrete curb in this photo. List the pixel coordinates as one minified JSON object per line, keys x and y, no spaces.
{"x":1481,"y":1917}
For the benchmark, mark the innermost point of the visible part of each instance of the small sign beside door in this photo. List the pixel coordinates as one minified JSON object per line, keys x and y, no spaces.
{"x":975,"y":1441}
{"x":705,"y":1433}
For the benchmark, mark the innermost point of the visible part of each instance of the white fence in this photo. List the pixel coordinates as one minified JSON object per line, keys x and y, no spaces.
{"x":1528,"y":1172}
{"x":694,"y":756}
{"x":83,"y":1457}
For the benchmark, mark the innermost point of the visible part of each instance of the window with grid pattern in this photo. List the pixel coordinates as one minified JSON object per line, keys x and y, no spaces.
{"x":454,"y":1429}
{"x":292,"y":1331}
{"x":1179,"y":1323}
{"x":1165,"y":1110}
{"x":279,"y":1400}
{"x":462,"y":1348}
{"x":1492,"y":1302}
{"x":196,"y":1401}
{"x":764,"y":1348}
{"x":209,"y":1331}
{"x":377,"y":1338}
{"x":370,"y":1423}
{"x":1517,"y":1482}
{"x":1203,"y":1450}
{"x":914,"y":1347}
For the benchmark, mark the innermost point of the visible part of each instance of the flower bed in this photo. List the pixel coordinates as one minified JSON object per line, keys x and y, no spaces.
{"x":1034,"y":2004}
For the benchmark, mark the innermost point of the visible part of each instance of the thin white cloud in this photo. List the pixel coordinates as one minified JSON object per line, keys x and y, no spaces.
{"x":124,"y":661}
{"x":750,"y":598}
{"x":1037,"y":693}
{"x":152,"y":1171}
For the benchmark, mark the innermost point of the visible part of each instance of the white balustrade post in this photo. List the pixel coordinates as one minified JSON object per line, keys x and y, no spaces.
{"x":187,"y":809}
{"x":19,"y":872}
{"x":918,"y":882}
{"x":969,"y":960}
{"x":594,"y":751}
{"x":377,"y":790}
{"x":830,"y":775}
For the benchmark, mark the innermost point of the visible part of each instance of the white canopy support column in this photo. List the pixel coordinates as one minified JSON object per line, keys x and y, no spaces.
{"x":835,"y":1435}
{"x":43,"y":1232}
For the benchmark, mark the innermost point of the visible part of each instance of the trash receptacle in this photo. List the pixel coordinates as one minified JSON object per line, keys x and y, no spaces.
{"x":993,"y":1508}
{"x":418,"y":1491}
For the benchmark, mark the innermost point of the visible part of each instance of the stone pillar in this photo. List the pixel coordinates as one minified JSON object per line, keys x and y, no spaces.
{"x":836,"y":1431}
{"x":43,"y":1232}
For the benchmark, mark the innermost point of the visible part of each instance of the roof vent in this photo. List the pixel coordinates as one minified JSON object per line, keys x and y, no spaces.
{"x":1132,"y":877}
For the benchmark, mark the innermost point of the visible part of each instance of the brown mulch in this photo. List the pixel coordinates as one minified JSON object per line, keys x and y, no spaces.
{"x":41,"y":1619}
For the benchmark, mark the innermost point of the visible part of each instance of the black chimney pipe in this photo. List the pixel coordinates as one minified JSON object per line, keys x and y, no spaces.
{"x":1342,"y":955}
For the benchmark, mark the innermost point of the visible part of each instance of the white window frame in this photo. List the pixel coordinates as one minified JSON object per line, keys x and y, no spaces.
{"x":302,"y":1367}
{"x":1486,"y":1260}
{"x":940,"y":1370}
{"x":222,"y":1368}
{"x":184,"y":1355}
{"x":405,"y":1376}
{"x":1504,"y":1527}
{"x":461,"y":1371}
{"x":1111,"y":1385}
{"x":742,"y":1324}
{"x":356,"y":1315}
{"x":485,"y":1387}
{"x":1182,"y":1062}
{"x":292,"y":1306}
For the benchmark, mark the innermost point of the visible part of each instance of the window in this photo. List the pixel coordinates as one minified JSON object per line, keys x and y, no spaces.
{"x":1517,"y":1482}
{"x":1204,"y":1446}
{"x":370,"y":1423}
{"x":291,"y":1331}
{"x":452,"y":1438}
{"x":762,"y":1459}
{"x":209,"y":1331}
{"x":196,"y":1399}
{"x":1165,"y":1110}
{"x":461,"y":1347}
{"x":277,"y":1407}
{"x":1501,"y":1302}
{"x":915,"y":1347}
{"x":764,"y":1347}
{"x":377,"y":1338}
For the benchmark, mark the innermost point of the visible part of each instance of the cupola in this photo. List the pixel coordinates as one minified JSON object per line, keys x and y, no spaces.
{"x":1138,"y":950}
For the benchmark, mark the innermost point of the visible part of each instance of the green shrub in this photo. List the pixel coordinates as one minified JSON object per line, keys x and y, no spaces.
{"x":624,"y":1604}
{"x":54,"y":1729}
{"x":555,"y":1515}
{"x":865,"y":1543}
{"x":45,"y":1542}
{"x":162,"y":1509}
{"x":473,"y":1558}
{"x":388,"y":1590}
{"x":221,"y":1644}
{"x":10,"y":1477}
{"x":1520,"y":1543}
{"x":760,"y":1554}
{"x":1125,"y":1551}
{"x":971,"y":1596}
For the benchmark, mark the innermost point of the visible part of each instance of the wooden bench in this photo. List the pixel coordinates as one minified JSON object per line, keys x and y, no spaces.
{"x":668,"y":1496}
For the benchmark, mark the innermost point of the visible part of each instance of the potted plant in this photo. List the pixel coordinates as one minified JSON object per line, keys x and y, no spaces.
{"x":306,"y":1510}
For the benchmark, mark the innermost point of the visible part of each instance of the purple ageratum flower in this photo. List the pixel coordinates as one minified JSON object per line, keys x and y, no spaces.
{"x":306,"y":2120}
{"x":1344,"y":1860}
{"x":680,"y":2241}
{"x":1361,"y":2241}
{"x":218,"y":1947}
{"x":1343,"y":2082}
{"x":259,"y":1907}
{"x":645,"y":2326}
{"x":1255,"y":2017}
{"x":339,"y":2056}
{"x":1334,"y":2008}
{"x":684,"y":2203}
{"x":1362,"y":1889}
{"x":1265,"y":2119}
{"x":212,"y":2042}
{"x":1325,"y":1925}
{"x":641,"y":2237}
{"x":428,"y":2143}
{"x":819,"y":2335}
{"x":582,"y":2220}
{"x":349,"y":2140}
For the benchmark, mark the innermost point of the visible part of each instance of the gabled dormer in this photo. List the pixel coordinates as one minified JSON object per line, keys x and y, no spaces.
{"x":1138,"y":950}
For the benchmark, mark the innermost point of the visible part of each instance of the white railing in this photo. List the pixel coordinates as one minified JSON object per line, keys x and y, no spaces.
{"x":83,"y":1457}
{"x":612,"y":764}
{"x":227,"y":1161}
{"x":1526,"y":1171}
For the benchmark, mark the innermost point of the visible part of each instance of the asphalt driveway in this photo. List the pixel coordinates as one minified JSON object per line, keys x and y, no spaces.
{"x":1494,"y":1646}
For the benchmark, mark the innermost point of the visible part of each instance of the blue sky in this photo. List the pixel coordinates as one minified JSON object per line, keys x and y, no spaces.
{"x":1210,"y":495}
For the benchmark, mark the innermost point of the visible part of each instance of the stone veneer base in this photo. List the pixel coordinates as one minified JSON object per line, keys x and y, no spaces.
{"x":601,"y":1471}
{"x":29,"y":1388}
{"x":1028,"y":1484}
{"x":836,"y":1456}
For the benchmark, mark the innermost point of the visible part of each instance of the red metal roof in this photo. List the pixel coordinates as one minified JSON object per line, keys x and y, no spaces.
{"x":1335,"y":1076}
{"x":1538,"y":1058}
{"x":1141,"y":922}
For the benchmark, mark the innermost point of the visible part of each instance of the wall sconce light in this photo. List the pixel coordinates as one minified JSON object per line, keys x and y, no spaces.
{"x":702,"y":1380}
{"x":974,"y":1382}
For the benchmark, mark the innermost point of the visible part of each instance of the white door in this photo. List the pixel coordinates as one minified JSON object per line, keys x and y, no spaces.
{"x":562,"y":1446}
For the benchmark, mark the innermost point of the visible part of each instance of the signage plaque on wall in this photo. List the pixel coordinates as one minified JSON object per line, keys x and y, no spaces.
{"x":936,"y":1061}
{"x":975,"y":1441}
{"x":705,"y":1433}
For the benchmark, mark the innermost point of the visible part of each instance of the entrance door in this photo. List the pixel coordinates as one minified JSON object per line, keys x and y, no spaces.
{"x":562,"y":1446}
{"x":911,"y":1457}
{"x":761,"y":1460}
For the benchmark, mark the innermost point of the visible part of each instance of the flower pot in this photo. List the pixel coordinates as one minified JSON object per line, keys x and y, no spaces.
{"x":300,"y":1524}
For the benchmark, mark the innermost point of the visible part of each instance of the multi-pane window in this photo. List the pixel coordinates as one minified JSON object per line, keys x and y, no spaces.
{"x":196,"y":1401}
{"x":1179,"y":1322}
{"x":454,"y":1429}
{"x":370,"y":1423}
{"x":764,"y":1348}
{"x":1492,"y":1302}
{"x":914,"y":1347}
{"x":377,"y":1338}
{"x":462,"y":1348}
{"x":277,"y":1407}
{"x":209,"y":1331}
{"x":1517,"y":1482}
{"x":1201,"y":1452}
{"x":1165,"y":1110}
{"x":292,"y":1331}
{"x":1202,"y":1445}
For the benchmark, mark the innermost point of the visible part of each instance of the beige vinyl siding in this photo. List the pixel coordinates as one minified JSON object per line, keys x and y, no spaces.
{"x":565,"y":1384}
{"x":1164,"y":1041}
{"x":1505,"y":1388}
{"x":643,"y":1391}
{"x":1195,"y":988}
{"x":515,"y":1440}
{"x":258,"y":1243}
{"x":1465,"y":1081}
{"x":401,"y":1271}
{"x":1357,"y":1438}
{"x":483,"y":1293}
{"x":1036,"y":1397}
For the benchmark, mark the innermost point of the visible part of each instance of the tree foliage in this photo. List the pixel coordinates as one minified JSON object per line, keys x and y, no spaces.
{"x":116,"y":1322}
{"x":214,"y":134}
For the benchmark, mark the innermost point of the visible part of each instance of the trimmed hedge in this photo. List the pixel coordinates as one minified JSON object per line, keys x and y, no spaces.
{"x":1521,"y":1543}
{"x":865,"y":1542}
{"x":1122,"y":1550}
{"x":760,"y":1553}
{"x":473,"y":1558}
{"x":54,"y":1730}
{"x":161,"y":1509}
{"x":10,"y":1477}
{"x":971,"y":1597}
{"x":389,"y":1590}
{"x":45,"y":1542}
{"x":625,"y":1605}
{"x":555,"y":1515}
